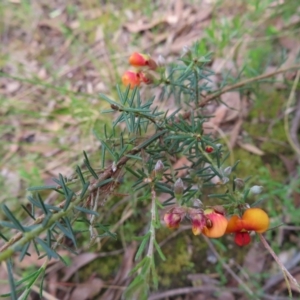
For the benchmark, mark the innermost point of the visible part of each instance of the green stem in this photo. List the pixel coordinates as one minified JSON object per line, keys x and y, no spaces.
{"x":152,"y":225}
{"x":196,"y":85}
{"x":29,"y":236}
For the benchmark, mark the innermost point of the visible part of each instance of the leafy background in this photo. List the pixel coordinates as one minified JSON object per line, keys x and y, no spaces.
{"x":60,"y":54}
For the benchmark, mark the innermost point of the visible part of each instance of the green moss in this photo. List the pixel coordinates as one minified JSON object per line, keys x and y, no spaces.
{"x":265,"y":123}
{"x":105,"y":267}
{"x":249,"y":163}
{"x":170,"y":271}
{"x":265,"y":129}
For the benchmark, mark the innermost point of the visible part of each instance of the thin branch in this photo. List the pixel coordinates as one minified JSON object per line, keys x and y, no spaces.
{"x":226,"y":267}
{"x":286,"y":117}
{"x":245,"y":82}
{"x":285,"y":272}
{"x":189,"y":290}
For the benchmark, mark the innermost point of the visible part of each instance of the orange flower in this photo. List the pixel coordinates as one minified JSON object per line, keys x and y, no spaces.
{"x":253,"y":219}
{"x":131,"y":78}
{"x":142,"y":60}
{"x":216,"y":223}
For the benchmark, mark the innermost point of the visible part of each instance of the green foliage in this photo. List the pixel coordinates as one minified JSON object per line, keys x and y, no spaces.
{"x":139,"y":135}
{"x":146,"y":131}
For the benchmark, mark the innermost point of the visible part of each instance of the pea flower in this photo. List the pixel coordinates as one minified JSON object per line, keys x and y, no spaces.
{"x":253,"y":219}
{"x":146,"y":78}
{"x":142,"y":60}
{"x":131,"y":78}
{"x":174,"y":217}
{"x":198,"y":220}
{"x":216,"y":223}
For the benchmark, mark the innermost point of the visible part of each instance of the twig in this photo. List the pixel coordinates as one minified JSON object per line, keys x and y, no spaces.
{"x":174,"y":234}
{"x":226,"y":267}
{"x":189,"y":290}
{"x":244,"y":82}
{"x":285,"y":272}
{"x":294,"y":143}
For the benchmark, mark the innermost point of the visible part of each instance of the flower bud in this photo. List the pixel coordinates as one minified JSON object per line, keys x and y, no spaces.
{"x":159,"y":169}
{"x":256,"y":189}
{"x":209,"y":149}
{"x":131,"y":78}
{"x":142,"y":60}
{"x":178,"y":188}
{"x":227,"y":171}
{"x":239,"y":183}
{"x":216,"y":223}
{"x":225,"y":180}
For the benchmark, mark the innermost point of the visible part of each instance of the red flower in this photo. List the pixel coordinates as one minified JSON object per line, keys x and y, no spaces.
{"x":146,"y":78}
{"x":131,"y":78}
{"x":253,"y":219}
{"x":198,"y":220}
{"x":174,"y":217}
{"x":216,"y":223}
{"x":142,"y":60}
{"x":242,"y":238}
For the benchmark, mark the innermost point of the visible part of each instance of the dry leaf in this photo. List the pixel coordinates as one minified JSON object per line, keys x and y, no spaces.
{"x":78,"y":262}
{"x":219,"y":64}
{"x":251,"y":148}
{"x":140,"y":25}
{"x":225,"y":295}
{"x":182,"y":162}
{"x":12,"y":87}
{"x":233,"y":102}
{"x":215,"y":121}
{"x":255,"y":254}
{"x":87,"y":290}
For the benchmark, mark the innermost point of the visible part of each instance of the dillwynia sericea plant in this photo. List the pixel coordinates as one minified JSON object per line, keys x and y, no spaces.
{"x":143,"y":143}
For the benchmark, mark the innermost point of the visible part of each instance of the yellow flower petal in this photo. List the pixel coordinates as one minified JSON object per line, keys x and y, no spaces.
{"x":255,"y":219}
{"x":216,"y":224}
